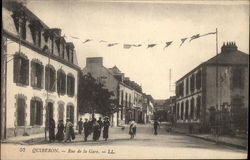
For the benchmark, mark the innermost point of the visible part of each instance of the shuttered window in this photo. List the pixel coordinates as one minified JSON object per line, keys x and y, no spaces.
{"x":198,"y":80}
{"x":192,"y":109}
{"x":50,"y":79}
{"x":21,"y":70}
{"x":36,"y":110}
{"x":198,"y":105}
{"x":61,"y":82}
{"x":186,"y":109}
{"x":70,"y":85}
{"x":20,"y":112}
{"x":36,"y":75}
{"x":70,"y":113}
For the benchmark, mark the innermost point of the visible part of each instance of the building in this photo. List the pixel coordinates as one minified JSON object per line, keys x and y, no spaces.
{"x":41,"y":73}
{"x":148,"y":108}
{"x":128,"y":93}
{"x":220,"y":82}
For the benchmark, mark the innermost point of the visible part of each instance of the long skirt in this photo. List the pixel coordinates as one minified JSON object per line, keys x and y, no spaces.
{"x":51,"y":134}
{"x":96,"y":135}
{"x":60,"y":135}
{"x":105,"y":132}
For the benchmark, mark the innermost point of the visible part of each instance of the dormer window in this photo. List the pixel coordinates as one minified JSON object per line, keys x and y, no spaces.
{"x":20,"y":23}
{"x":35,"y":28}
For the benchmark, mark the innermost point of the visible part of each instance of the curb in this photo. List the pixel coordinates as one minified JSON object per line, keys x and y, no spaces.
{"x":219,"y":142}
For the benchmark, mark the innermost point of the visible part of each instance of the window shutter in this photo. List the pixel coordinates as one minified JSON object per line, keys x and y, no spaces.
{"x":41,"y":113}
{"x":15,"y":68}
{"x":42,"y":76}
{"x":27,"y":72}
{"x":73,"y":87}
{"x":33,"y":72}
{"x":46,"y":78}
{"x":32,"y":115}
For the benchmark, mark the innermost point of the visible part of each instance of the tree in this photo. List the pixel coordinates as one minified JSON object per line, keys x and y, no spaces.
{"x":93,"y":97}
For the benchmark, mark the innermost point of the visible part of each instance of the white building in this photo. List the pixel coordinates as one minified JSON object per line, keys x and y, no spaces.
{"x":41,"y":73}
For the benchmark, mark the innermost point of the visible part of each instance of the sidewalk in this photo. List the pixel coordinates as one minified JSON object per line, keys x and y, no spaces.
{"x":225,"y":140}
{"x":21,"y":139}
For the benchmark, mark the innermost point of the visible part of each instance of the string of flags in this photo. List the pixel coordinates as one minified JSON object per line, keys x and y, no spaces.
{"x":151,"y":45}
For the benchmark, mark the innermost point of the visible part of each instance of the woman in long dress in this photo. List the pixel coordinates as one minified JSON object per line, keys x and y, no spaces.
{"x":106,"y":125}
{"x":68,"y":130}
{"x":60,"y":129}
{"x":132,"y":129}
{"x":51,"y":129}
{"x":96,"y":130}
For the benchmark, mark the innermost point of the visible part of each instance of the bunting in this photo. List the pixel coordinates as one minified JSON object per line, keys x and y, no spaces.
{"x":151,"y":45}
{"x":194,"y":37}
{"x":183,"y":40}
{"x":168,"y":44}
{"x":111,"y":44}
{"x":87,"y":40}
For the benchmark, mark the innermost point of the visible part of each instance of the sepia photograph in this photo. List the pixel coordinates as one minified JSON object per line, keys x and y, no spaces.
{"x":124,"y":79}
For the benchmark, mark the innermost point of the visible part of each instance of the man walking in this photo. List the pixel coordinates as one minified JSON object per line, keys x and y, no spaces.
{"x":156,"y":125}
{"x":80,"y":123}
{"x":101,"y":125}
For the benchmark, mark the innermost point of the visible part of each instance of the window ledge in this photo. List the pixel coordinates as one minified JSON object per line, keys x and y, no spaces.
{"x":21,"y":84}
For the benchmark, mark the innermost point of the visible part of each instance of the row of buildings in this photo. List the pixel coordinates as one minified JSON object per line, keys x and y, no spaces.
{"x":39,"y":79}
{"x":219,"y":84}
{"x":133,"y":104}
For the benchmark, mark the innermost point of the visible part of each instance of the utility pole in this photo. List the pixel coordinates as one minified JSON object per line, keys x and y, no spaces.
{"x":216,"y":85}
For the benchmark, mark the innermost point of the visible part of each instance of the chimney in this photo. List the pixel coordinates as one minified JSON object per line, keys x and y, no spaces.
{"x":94,"y":61}
{"x":228,"y":47}
{"x":57,"y":31}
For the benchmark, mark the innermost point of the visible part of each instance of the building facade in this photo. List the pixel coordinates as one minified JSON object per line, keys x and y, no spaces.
{"x":41,"y":73}
{"x":220,"y":82}
{"x":125,"y":91}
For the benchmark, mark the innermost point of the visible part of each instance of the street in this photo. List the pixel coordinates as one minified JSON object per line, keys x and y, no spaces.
{"x":164,"y":145}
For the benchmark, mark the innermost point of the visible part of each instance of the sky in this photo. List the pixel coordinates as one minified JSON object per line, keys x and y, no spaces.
{"x":146,"y":22}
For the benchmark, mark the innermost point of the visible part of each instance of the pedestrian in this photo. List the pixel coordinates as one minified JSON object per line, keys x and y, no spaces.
{"x":51,"y":130}
{"x":101,"y":125}
{"x":106,"y":125}
{"x":132,"y":129}
{"x":60,"y":129}
{"x":96,"y":130}
{"x":68,"y":131}
{"x":86,"y":129}
{"x":80,"y":125}
{"x":156,"y":125}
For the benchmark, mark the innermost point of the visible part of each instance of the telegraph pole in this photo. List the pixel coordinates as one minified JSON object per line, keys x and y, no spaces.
{"x":216,"y":85}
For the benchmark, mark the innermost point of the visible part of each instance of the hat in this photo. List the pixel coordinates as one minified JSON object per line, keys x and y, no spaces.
{"x":106,"y":117}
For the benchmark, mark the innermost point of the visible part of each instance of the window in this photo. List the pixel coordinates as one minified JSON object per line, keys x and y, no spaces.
{"x":238,"y":78}
{"x":70,"y":85}
{"x":36,"y":74}
{"x":21,"y":112}
{"x":20,"y":23}
{"x":186,"y":109}
{"x":198,"y":105}
{"x":177,"y":111}
{"x":198,"y":80}
{"x":60,"y":112}
{"x":237,"y":103}
{"x":192,"y":109}
{"x":182,"y":109}
{"x":126,"y":99}
{"x":21,"y":69}
{"x":192,"y":83}
{"x":70,"y":113}
{"x":61,"y":82}
{"x":187,"y":86}
{"x":36,"y":112}
{"x":50,"y":78}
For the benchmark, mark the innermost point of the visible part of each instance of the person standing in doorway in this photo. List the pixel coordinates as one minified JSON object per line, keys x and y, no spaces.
{"x":51,"y":130}
{"x":106,"y":125}
{"x":156,"y":125}
{"x":80,"y":125}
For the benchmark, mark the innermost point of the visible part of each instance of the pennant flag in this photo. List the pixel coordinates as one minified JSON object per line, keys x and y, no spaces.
{"x":74,"y":37}
{"x":138,"y":45}
{"x":208,"y":34}
{"x":183,"y":40}
{"x":168,"y":44}
{"x":102,"y":41}
{"x":151,"y":45}
{"x":87,"y":40}
{"x":194,"y":37}
{"x":111,"y":44}
{"x":127,"y":46}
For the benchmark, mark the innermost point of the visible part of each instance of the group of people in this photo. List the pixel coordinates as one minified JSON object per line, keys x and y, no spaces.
{"x":94,"y":126}
{"x":64,"y":132}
